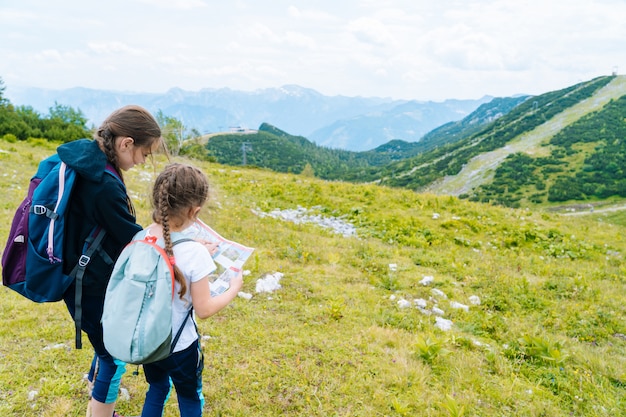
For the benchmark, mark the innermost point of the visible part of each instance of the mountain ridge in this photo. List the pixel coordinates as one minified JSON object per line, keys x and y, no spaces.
{"x":332,"y":121}
{"x":524,"y":150}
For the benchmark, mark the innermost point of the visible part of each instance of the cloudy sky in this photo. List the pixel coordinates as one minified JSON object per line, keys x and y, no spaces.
{"x":404,"y":49}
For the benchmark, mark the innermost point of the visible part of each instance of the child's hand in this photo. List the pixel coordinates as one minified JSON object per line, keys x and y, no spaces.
{"x":210,"y":246}
{"x":236,"y":282}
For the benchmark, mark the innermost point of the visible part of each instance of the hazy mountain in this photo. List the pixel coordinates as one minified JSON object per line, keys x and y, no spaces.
{"x":408,"y":121}
{"x":351,"y":123}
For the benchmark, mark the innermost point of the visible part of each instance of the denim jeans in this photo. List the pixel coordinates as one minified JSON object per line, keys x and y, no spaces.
{"x":106,"y":372}
{"x":183,"y":370}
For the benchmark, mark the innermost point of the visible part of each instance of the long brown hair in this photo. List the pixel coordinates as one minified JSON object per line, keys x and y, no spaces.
{"x":177,"y":190}
{"x":132,"y":121}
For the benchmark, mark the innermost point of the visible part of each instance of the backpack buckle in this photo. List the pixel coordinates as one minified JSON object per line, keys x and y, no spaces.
{"x":40,"y":210}
{"x":83,"y":260}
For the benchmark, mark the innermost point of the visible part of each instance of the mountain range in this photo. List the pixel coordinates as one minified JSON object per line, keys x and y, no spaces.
{"x":339,"y":122}
{"x":560,"y":146}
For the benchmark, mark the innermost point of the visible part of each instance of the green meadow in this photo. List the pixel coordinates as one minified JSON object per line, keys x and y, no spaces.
{"x":436,"y":306}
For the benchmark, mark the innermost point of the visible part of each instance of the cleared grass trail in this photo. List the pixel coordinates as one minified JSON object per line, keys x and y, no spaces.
{"x":480,"y":169}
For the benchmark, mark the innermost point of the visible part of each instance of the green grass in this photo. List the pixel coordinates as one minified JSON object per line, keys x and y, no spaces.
{"x":545,"y":340}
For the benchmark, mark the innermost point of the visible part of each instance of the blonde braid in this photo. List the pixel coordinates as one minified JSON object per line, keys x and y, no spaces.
{"x":177,"y":189}
{"x":165,"y":222}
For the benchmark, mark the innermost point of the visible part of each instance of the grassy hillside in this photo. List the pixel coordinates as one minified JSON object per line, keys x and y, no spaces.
{"x":535,"y":301}
{"x":583,"y":161}
{"x":469,"y":162}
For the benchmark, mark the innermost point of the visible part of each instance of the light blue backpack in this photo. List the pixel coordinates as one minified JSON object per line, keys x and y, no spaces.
{"x":137,"y":315}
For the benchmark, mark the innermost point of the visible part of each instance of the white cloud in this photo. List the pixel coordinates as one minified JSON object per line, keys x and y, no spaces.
{"x":176,"y":4}
{"x":372,"y":31}
{"x":400,"y":48}
{"x":114,"y":48}
{"x":310,"y":15}
{"x":300,"y":40}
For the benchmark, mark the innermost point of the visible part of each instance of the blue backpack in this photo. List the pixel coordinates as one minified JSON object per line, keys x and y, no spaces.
{"x":137,"y":315}
{"x":32,"y":261}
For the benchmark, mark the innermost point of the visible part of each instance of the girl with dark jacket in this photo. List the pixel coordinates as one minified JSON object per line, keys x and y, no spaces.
{"x":125,"y":139}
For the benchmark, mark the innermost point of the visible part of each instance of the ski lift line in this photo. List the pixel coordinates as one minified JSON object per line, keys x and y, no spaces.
{"x":245,"y":147}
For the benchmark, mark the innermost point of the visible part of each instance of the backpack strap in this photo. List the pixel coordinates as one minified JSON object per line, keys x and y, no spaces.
{"x":180,"y":330}
{"x":189,"y":314}
{"x":92,"y":244}
{"x":185,"y":239}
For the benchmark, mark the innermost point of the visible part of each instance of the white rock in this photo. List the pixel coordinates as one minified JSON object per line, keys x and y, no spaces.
{"x":443,"y":324}
{"x":269,"y":283}
{"x":438,"y":311}
{"x":420,"y":302}
{"x":475,"y":300}
{"x":424,"y":311}
{"x":426,"y":280}
{"x":56,"y":346}
{"x":459,"y":306}
{"x":299,"y":216}
{"x":438,"y":293}
{"x":124,"y":395}
{"x":244,"y":295}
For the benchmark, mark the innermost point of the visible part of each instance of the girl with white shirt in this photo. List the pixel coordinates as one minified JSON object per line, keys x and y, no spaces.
{"x":179,"y":193}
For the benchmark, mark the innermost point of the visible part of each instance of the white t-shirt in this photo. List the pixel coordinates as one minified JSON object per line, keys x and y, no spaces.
{"x":195,"y":262}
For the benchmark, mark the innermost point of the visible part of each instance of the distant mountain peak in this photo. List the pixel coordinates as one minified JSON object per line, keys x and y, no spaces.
{"x":350,"y":123}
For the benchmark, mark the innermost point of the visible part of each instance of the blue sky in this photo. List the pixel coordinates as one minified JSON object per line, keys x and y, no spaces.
{"x":404,"y":49}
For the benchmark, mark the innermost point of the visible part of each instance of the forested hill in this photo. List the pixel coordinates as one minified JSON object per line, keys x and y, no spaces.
{"x":279,"y":151}
{"x":449,"y":160}
{"x":567,"y":147}
{"x":273,"y":148}
{"x":564,"y":145}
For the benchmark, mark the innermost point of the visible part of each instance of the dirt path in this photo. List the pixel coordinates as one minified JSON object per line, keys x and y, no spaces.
{"x":593,"y":210}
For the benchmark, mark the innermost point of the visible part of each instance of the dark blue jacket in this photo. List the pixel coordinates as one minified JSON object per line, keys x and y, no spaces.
{"x":98,"y":199}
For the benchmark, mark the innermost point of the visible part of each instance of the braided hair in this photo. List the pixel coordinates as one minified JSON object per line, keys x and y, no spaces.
{"x":177,"y":190}
{"x":132,"y":121}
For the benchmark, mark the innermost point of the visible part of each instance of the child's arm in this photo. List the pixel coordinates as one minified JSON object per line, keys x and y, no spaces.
{"x":205,"y":305}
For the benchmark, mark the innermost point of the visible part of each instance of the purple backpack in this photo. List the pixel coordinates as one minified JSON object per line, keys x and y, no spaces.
{"x":32,"y":261}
